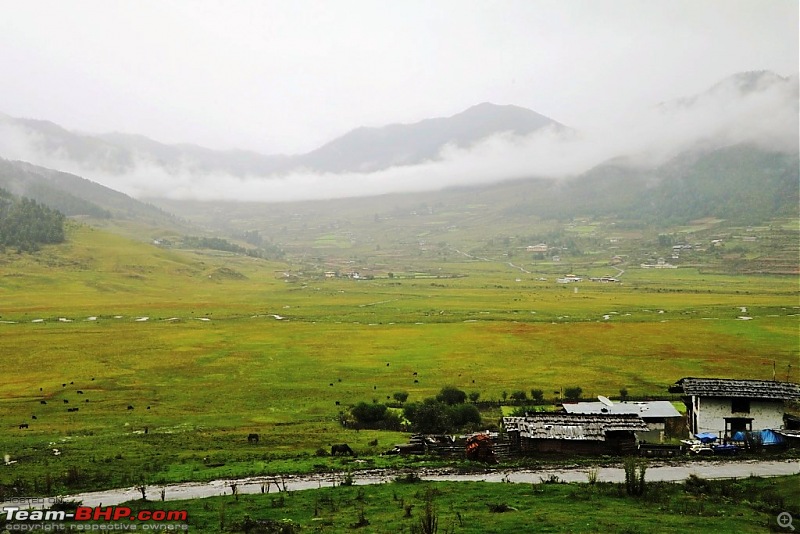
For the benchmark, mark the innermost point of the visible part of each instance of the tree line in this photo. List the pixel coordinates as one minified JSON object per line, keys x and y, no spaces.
{"x":25,"y":224}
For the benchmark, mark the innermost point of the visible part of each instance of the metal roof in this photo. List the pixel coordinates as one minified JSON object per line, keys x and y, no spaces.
{"x":645,"y":410}
{"x":724,"y":387}
{"x":570,"y":426}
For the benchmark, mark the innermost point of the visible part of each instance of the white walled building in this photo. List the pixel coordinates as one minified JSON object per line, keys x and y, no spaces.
{"x":726,"y":406}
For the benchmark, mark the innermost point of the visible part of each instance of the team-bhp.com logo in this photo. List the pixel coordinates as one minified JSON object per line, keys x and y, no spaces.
{"x":85,"y":518}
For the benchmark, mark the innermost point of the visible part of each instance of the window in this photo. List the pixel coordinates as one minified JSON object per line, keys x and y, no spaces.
{"x":740,"y":406}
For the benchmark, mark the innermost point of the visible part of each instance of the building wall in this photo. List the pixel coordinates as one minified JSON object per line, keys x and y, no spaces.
{"x":711,"y":413}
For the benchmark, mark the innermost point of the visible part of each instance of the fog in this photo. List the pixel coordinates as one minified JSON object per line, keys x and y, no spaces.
{"x":765,"y":115}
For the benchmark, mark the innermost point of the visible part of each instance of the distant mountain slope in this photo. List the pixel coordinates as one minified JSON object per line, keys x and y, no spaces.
{"x":742,"y":183}
{"x":371,"y":149}
{"x":73,"y":195}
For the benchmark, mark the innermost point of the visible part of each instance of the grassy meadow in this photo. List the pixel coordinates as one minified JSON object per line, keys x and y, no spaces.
{"x":748,"y":505}
{"x":207,"y":347}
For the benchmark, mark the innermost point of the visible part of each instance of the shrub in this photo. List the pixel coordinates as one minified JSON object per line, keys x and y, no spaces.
{"x":519,"y":396}
{"x":537,"y":395}
{"x":573,"y":393}
{"x":474,"y":396}
{"x":368,"y":413}
{"x":401,"y":396}
{"x":451,"y":395}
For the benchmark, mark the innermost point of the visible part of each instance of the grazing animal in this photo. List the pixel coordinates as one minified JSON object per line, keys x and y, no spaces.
{"x":337,"y":403}
{"x":42,"y":402}
{"x":416,"y":381}
{"x":66,"y":401}
{"x":373,"y":443}
{"x":92,"y":378}
{"x":80,"y":392}
{"x":415,"y":373}
{"x":252,"y":438}
{"x":387,"y":365}
{"x":148,"y":407}
{"x":23,"y":425}
{"x":87,"y":400}
{"x":64,"y":385}
{"x":130,"y":407}
{"x":331,"y":384}
{"x":342,"y":449}
{"x":33,"y":417}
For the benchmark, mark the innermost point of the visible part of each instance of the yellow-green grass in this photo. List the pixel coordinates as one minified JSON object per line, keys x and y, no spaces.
{"x":750,"y":505}
{"x":211,"y":382}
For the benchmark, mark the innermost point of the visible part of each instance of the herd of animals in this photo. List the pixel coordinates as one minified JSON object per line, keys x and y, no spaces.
{"x":72,"y":409}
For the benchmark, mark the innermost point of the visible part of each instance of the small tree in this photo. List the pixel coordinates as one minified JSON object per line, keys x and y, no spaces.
{"x":519,"y":396}
{"x":401,"y":396}
{"x":474,"y":396}
{"x":368,"y":413}
{"x":451,"y":395}
{"x":573,"y":393}
{"x":623,"y":393}
{"x":504,"y":395}
{"x":537,"y":395}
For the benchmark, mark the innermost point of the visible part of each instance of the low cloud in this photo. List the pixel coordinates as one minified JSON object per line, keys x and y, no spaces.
{"x":766,"y":116}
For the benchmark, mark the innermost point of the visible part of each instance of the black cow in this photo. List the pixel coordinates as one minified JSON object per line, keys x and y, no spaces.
{"x":23,"y":425}
{"x":252,"y":438}
{"x":341,"y":450}
{"x":66,"y":401}
{"x":130,"y":407}
{"x":42,"y":402}
{"x":80,"y":392}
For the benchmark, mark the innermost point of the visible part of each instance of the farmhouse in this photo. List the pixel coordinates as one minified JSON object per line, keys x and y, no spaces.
{"x":653,"y":413}
{"x":541,"y":247}
{"x":726,"y":406}
{"x":574,"y":433}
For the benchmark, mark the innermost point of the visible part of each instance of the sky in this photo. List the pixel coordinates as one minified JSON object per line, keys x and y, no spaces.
{"x":288,"y":76}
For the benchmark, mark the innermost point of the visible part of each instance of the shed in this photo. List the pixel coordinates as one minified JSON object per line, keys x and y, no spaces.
{"x":574,"y":433}
{"x":653,"y":413}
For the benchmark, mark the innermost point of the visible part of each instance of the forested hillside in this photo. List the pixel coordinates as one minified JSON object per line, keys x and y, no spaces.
{"x":25,"y":224}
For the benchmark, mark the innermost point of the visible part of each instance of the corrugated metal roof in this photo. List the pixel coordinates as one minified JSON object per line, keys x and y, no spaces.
{"x":645,"y":410}
{"x":573,"y":426}
{"x":724,"y":387}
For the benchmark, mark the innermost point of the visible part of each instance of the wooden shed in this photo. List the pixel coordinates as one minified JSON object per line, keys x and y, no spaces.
{"x":571,"y":433}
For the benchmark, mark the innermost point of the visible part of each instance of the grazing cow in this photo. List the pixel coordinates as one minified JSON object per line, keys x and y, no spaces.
{"x":42,"y":402}
{"x":415,"y":373}
{"x":66,"y":401}
{"x":130,"y":407}
{"x":23,"y":425}
{"x":252,"y":438}
{"x":80,"y":392}
{"x":341,"y":450}
{"x":337,"y":403}
{"x":87,"y":400}
{"x":33,"y":417}
{"x":416,"y":381}
{"x":148,"y":407}
{"x":64,"y":385}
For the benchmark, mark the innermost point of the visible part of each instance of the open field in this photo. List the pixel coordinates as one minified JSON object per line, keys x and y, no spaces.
{"x":746,"y":505}
{"x":231,"y":345}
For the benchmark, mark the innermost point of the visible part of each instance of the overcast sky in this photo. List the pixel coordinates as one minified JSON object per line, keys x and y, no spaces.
{"x":287,"y":76}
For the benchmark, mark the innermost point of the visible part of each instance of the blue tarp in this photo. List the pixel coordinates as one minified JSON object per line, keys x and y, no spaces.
{"x":706,"y":437}
{"x":767,"y":437}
